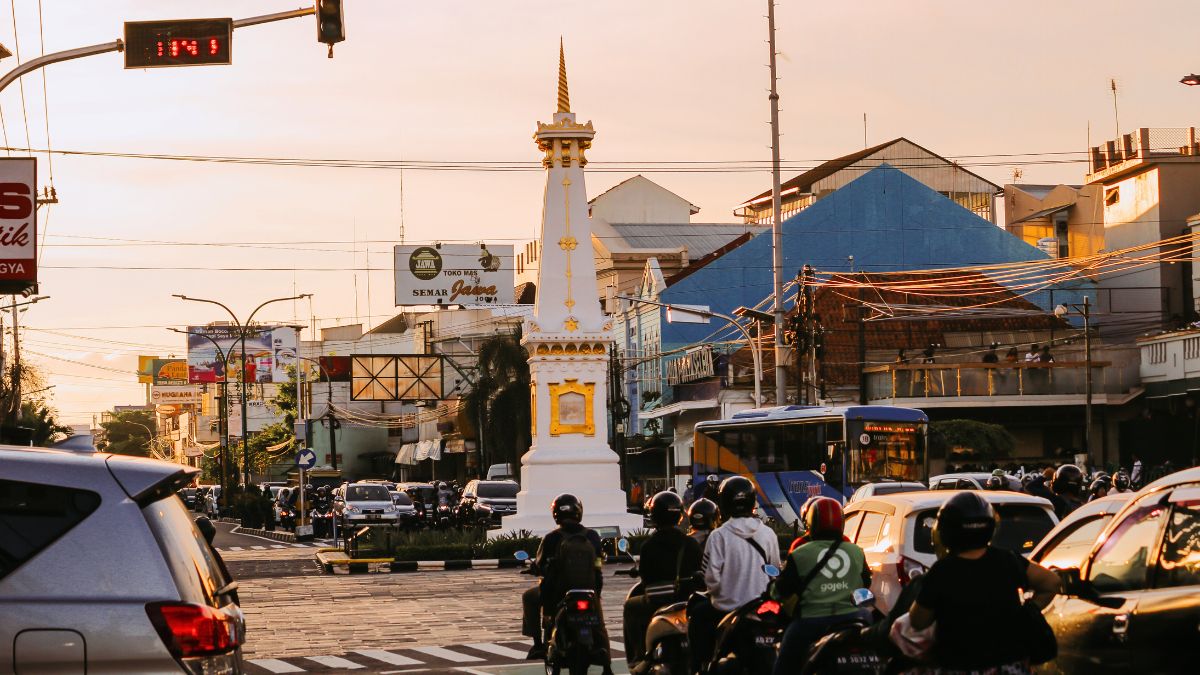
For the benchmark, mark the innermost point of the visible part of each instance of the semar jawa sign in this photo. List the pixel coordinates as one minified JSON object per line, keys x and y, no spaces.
{"x":454,"y":274}
{"x":18,"y":224}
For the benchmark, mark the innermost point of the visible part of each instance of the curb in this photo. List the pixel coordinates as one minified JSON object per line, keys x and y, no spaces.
{"x":277,"y":535}
{"x":331,"y":564}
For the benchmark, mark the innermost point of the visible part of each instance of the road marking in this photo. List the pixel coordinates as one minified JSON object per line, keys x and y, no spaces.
{"x":299,"y":545}
{"x":278,"y":546}
{"x":388,"y":657}
{"x":259,"y":548}
{"x":236,"y":548}
{"x":276,"y":666}
{"x":334,"y":662}
{"x":499,"y":650}
{"x":443,"y":653}
{"x":615,"y":645}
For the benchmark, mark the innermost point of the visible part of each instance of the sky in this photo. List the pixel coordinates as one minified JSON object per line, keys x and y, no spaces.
{"x":466,"y":80}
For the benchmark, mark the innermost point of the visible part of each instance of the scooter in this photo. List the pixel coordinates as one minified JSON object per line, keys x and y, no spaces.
{"x":666,"y":639}
{"x":748,"y":637}
{"x":847,"y":648}
{"x":573,"y":631}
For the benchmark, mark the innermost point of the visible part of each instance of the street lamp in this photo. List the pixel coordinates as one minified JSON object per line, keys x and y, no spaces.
{"x":1190,"y":80}
{"x":1084,"y":310}
{"x":755,"y":348}
{"x":243,"y":328}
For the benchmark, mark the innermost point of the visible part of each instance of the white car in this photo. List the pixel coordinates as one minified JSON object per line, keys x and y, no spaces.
{"x":365,"y":503}
{"x":896,"y":533}
{"x":890,"y":487}
{"x":972,"y":480}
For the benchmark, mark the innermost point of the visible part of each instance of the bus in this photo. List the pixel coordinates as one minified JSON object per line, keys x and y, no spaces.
{"x":782,"y":449}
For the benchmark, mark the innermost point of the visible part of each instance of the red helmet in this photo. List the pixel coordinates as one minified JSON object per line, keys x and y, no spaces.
{"x":823,"y":518}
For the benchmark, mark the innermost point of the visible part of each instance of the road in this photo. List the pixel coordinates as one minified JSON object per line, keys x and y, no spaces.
{"x":300,"y":620}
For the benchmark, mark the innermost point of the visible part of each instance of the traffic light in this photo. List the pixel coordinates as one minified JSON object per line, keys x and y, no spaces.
{"x":331,"y":23}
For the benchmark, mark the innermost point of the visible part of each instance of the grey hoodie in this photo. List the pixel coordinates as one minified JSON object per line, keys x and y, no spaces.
{"x":732,"y":567}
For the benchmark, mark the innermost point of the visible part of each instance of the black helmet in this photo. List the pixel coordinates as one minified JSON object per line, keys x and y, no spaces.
{"x":566,"y":508}
{"x":308,"y":487}
{"x":666,"y":509}
{"x":994,"y":483}
{"x":703,"y":514}
{"x":1122,"y":480}
{"x":442,"y":485}
{"x":1101,"y":483}
{"x":966,"y":521}
{"x":712,"y":478}
{"x":206,"y":528}
{"x":1068,"y":479}
{"x":738,"y":497}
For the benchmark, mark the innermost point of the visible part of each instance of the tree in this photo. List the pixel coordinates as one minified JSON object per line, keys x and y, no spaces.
{"x":284,"y":402}
{"x":129,"y":433}
{"x":978,"y":441}
{"x":26,"y":421}
{"x":498,"y":403}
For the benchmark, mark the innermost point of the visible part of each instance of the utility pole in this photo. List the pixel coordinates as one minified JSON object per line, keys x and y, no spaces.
{"x":776,"y":221}
{"x":16,"y":372}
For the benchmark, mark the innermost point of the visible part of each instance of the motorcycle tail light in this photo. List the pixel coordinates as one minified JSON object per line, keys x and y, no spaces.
{"x":768,"y":607}
{"x":583,"y":605}
{"x":908,"y":569}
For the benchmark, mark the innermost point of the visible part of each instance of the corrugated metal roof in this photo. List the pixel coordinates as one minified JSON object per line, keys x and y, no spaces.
{"x":700,"y":239}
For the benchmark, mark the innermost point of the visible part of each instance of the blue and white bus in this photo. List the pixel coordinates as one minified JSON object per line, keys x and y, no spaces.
{"x":782,"y":449}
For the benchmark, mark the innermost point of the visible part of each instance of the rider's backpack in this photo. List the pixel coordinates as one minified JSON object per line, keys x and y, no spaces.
{"x":575,"y":563}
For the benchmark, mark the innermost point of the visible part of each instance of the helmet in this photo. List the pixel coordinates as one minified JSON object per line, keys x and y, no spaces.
{"x":308,"y":487}
{"x":966,"y":521}
{"x":1122,"y":480}
{"x":1068,"y":479}
{"x":566,"y":508}
{"x":994,"y":483}
{"x":322,"y":490}
{"x":823,"y":518}
{"x":703,"y":514}
{"x":712,"y":478}
{"x":206,"y":528}
{"x":999,"y":472}
{"x":737,"y":496}
{"x":1101,"y":483}
{"x":666,"y":509}
{"x":442,"y":485}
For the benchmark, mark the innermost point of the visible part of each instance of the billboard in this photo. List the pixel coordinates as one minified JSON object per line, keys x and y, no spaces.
{"x":145,"y":374}
{"x":398,"y":377}
{"x":169,"y":372}
{"x":270,"y":351}
{"x":175,"y":395}
{"x":454,"y":274}
{"x":18,"y":224}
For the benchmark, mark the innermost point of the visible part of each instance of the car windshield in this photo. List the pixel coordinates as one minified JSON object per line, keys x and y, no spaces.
{"x":425,"y":493}
{"x":894,"y":488}
{"x":275,"y":491}
{"x":497,"y":490}
{"x":401,"y":499}
{"x":1021,"y":527}
{"x":1071,"y":547}
{"x":367,"y":493}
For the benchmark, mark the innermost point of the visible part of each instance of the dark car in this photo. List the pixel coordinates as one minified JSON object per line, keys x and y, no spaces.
{"x":487,"y":501}
{"x":190,"y":497}
{"x":1133,"y":604}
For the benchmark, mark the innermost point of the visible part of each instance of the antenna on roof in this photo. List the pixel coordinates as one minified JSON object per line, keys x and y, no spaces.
{"x":865,"y":131}
{"x":1017,"y":173}
{"x":1112,"y":83}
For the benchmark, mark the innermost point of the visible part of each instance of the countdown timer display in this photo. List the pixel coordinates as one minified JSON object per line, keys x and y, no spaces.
{"x":189,"y":42}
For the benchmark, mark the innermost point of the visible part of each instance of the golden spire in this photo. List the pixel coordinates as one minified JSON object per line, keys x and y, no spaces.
{"x":564,"y":100}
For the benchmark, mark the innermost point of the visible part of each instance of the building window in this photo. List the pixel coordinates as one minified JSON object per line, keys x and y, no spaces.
{"x":1064,"y":246}
{"x":1112,"y":196}
{"x":1156,"y":353}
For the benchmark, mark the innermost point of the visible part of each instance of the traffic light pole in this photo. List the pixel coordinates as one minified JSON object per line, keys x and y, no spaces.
{"x":119,"y":45}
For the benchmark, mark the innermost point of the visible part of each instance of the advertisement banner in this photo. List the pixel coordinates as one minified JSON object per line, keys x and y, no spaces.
{"x":18,"y":224}
{"x":454,"y":274}
{"x":270,"y":351}
{"x":182,"y":395}
{"x":335,"y":368}
{"x":145,"y":369}
{"x":169,"y":372}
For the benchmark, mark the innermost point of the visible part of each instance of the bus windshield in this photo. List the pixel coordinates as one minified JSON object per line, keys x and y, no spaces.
{"x":886,"y":451}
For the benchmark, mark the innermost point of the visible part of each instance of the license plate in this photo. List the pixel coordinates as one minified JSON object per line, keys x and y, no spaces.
{"x":304,"y":530}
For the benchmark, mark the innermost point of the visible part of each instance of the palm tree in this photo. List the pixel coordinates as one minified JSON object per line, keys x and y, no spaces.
{"x":498,"y":404}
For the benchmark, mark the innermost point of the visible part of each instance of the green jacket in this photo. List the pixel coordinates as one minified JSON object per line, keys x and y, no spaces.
{"x":830,"y":593}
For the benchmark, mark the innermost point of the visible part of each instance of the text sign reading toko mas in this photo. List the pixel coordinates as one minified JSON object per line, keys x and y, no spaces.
{"x":182,"y":42}
{"x":454,"y":274}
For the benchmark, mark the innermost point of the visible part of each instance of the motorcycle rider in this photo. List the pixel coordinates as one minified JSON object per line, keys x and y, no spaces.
{"x":1067,"y":487}
{"x":995,"y":483}
{"x":712,"y":488}
{"x":561,"y":573}
{"x":669,"y":557}
{"x":702,"y":515}
{"x":1121,"y":482}
{"x":1099,"y":488}
{"x":734,"y":557}
{"x":817,"y":604}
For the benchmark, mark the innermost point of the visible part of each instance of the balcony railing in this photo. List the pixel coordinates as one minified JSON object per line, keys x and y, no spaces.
{"x":953,"y":380}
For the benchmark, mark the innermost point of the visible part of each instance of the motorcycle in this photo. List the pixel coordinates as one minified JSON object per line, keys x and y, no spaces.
{"x":748,"y":637}
{"x":443,"y":517}
{"x":322,"y":519}
{"x":573,"y":631}
{"x":666,"y":639}
{"x":847,"y":647}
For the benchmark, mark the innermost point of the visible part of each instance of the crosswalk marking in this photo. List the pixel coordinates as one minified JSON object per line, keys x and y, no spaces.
{"x":278,"y":546}
{"x":259,"y":548}
{"x":443,"y":653}
{"x":498,"y":650}
{"x":236,"y":548}
{"x":276,"y":666}
{"x":388,"y":657}
{"x":334,"y":662}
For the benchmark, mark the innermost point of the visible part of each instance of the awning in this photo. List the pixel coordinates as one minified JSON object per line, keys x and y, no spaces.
{"x":678,"y":407}
{"x":431,"y":449}
{"x":1042,"y":214}
{"x":405,"y":456}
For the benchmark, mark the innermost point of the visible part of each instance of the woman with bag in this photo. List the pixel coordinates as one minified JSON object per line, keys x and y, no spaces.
{"x":818,"y":582}
{"x":972,"y":598}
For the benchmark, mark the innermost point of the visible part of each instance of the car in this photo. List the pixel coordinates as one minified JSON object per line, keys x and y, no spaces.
{"x":363,"y":504}
{"x":159,"y":602}
{"x":886,"y":488}
{"x":487,"y":501}
{"x":500,"y":472}
{"x":190,"y":497}
{"x":424,"y":496}
{"x":896,"y":532}
{"x":212,"y":502}
{"x":1070,"y":540}
{"x":1133,"y":603}
{"x":404,"y":507}
{"x":972,"y":480}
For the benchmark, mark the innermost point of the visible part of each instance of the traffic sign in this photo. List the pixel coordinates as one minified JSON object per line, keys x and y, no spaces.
{"x":178,"y":42}
{"x":306,"y":458}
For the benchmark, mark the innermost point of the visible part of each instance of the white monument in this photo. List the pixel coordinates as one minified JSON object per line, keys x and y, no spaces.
{"x":568,"y":340}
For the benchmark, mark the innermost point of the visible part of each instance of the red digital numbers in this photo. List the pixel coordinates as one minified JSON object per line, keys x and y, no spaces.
{"x":177,"y":47}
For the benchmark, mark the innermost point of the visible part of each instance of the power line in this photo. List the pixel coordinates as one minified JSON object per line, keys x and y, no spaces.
{"x":20,"y":81}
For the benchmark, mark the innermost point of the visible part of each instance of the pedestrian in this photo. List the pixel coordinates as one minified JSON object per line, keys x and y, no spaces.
{"x":1032,"y":355}
{"x":635,"y":494}
{"x":929,"y":353}
{"x":991,"y":356}
{"x":1012,"y":356}
{"x":901,"y":357}
{"x":1135,"y":476}
{"x":1045,"y":356}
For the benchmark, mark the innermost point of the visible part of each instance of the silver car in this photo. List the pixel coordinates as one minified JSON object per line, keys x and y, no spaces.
{"x":365,"y":503}
{"x":102,"y":569}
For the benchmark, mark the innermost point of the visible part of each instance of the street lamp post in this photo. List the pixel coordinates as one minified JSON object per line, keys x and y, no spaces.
{"x":1084,"y":309}
{"x":243,"y":328}
{"x":755,"y":348}
{"x":222,"y":418}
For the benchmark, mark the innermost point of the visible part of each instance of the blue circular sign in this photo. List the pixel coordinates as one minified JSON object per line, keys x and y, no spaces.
{"x":306,"y":458}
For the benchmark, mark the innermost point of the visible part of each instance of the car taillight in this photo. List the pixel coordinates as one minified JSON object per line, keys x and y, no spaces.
{"x":193,"y":630}
{"x":583,"y":605}
{"x":768,"y":607}
{"x":908,"y":569}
